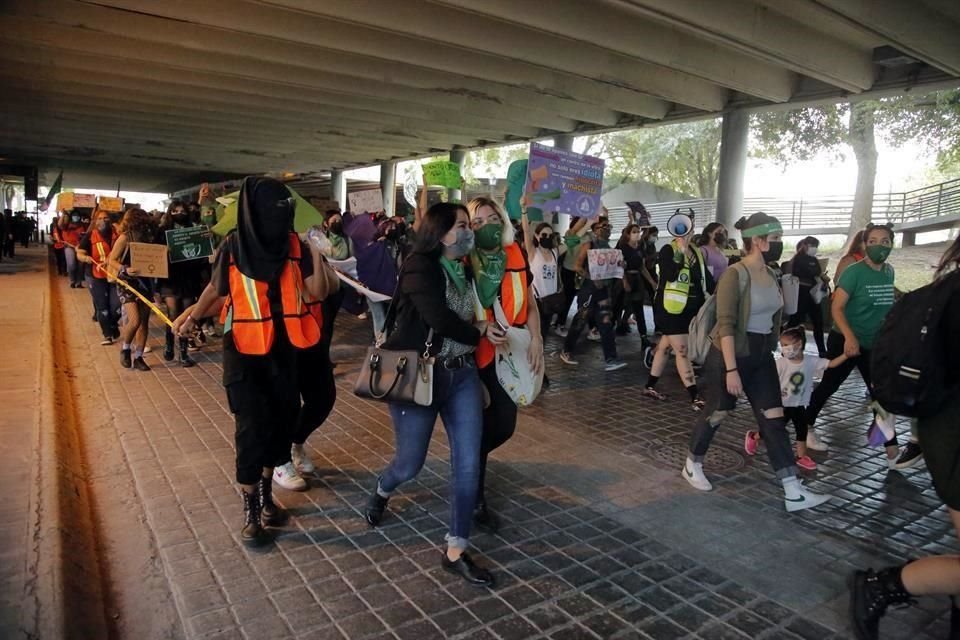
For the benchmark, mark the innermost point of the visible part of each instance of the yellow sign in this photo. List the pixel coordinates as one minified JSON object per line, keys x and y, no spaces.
{"x":111,"y":205}
{"x":149,"y":260}
{"x":65,"y":201}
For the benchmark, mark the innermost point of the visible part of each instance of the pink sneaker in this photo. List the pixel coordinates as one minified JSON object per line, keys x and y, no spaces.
{"x":750,"y":442}
{"x":806,"y":462}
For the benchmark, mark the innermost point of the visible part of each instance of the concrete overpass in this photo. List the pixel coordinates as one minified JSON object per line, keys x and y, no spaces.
{"x":163,"y":95}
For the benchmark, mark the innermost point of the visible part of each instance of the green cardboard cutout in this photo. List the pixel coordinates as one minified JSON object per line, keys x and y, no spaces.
{"x":304,"y":217}
{"x":516,"y":181}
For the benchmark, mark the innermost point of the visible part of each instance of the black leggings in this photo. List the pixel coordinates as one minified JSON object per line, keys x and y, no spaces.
{"x":833,"y":378}
{"x":798,"y":416}
{"x":806,"y":307}
{"x":499,"y":421}
{"x":568,"y":279}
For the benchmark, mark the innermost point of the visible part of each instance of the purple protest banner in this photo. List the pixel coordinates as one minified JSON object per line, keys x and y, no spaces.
{"x":563,"y":181}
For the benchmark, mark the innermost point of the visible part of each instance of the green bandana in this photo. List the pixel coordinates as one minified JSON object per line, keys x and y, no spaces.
{"x":339,"y":244}
{"x":454,"y":269}
{"x":488,"y":270}
{"x":489,"y":236}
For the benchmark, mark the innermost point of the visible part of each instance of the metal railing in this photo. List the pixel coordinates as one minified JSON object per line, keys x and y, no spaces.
{"x":824,"y":212}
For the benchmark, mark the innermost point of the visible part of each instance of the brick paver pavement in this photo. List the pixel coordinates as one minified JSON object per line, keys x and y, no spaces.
{"x":601,"y":537}
{"x":23,"y":301}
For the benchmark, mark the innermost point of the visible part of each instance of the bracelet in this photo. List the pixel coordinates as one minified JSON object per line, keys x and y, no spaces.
{"x":734,"y":370}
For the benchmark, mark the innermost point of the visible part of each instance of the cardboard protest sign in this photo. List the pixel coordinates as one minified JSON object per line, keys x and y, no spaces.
{"x":323,"y":205}
{"x":605,"y":263}
{"x":410,"y":187}
{"x":368,"y":201}
{"x":65,"y":201}
{"x":189,"y":243}
{"x":109,"y":204}
{"x":639,"y":213}
{"x":84,"y":200}
{"x":149,"y":260}
{"x":443,"y":173}
{"x":563,"y":181}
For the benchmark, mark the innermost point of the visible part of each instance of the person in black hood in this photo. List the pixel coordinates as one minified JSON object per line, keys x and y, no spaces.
{"x":269,"y":285}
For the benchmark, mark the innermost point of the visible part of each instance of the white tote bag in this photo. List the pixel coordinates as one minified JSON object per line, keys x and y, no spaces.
{"x":513,"y":370}
{"x":790,"y":285}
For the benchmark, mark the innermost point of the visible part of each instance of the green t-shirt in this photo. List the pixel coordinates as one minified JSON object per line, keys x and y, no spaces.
{"x":871,"y":296}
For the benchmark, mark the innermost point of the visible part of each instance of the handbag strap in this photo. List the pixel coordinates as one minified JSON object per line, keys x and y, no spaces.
{"x":390,"y":315}
{"x":396,"y":380}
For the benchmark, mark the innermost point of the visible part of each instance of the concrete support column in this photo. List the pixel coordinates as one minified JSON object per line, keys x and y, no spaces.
{"x":456,"y":155}
{"x":733,"y":165}
{"x":338,"y":188}
{"x":388,"y":185}
{"x":563,"y":141}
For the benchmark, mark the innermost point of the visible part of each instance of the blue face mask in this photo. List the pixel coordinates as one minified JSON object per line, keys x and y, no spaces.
{"x":463,"y":244}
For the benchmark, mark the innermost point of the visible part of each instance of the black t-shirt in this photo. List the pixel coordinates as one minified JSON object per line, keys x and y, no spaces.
{"x":282,"y":354}
{"x":633,"y":259}
{"x":806,"y":268}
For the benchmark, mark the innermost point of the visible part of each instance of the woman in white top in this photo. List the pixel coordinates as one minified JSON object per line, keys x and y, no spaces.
{"x":544,"y":264}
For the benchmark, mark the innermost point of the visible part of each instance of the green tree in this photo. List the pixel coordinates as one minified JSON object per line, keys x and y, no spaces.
{"x":684,"y":157}
{"x":801,"y":134}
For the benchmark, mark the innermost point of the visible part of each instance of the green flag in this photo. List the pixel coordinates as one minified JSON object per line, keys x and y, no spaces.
{"x":54,"y":190}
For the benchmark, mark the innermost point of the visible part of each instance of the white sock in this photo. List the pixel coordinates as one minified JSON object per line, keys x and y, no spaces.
{"x":125,"y":346}
{"x":137,"y":353}
{"x":791,"y":487}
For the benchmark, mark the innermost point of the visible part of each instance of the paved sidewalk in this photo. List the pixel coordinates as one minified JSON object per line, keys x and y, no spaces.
{"x":23,"y":303}
{"x":602,"y":538}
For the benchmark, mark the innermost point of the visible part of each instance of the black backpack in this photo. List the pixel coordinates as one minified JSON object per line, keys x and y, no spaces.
{"x":909,"y":359}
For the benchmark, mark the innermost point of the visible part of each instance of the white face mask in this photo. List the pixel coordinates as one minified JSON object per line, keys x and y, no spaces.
{"x":812,"y":252}
{"x":791,"y":352}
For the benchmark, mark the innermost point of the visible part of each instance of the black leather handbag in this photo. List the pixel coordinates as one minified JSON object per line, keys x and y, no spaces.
{"x":401,"y":376}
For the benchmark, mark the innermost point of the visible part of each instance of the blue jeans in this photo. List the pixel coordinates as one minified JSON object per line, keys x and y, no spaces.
{"x":458,"y":399}
{"x":74,"y":268}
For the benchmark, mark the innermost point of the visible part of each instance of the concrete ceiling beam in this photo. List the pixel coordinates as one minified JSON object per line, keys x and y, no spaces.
{"x":78,"y":114}
{"x":187,"y":142}
{"x":350,"y":41}
{"x":767,"y":35}
{"x":65,"y":91}
{"x":231,"y":48}
{"x":274,"y":77}
{"x":76,"y":146}
{"x":146,"y":76}
{"x":912,"y":27}
{"x":435,"y":23}
{"x":626,"y":33}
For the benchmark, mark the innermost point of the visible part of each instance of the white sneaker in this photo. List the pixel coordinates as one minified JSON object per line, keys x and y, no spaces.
{"x":106,"y":342}
{"x":147,"y":349}
{"x":301,"y":460}
{"x":560,"y":331}
{"x":692,"y":472}
{"x":806,"y":500}
{"x":287,"y":477}
{"x":814,"y":443}
{"x":594,"y":336}
{"x":566,"y":358}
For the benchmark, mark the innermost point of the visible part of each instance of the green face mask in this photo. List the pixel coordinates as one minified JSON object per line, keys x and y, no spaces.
{"x":878,"y":253}
{"x":489,"y":236}
{"x":209,"y":220}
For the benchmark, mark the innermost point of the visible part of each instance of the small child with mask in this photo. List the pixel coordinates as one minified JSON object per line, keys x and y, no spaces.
{"x":797,"y":371}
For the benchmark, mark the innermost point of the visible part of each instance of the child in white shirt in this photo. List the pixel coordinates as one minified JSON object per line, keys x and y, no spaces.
{"x":797,"y":371}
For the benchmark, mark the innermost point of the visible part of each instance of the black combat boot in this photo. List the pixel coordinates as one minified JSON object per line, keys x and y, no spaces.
{"x":252,"y":534}
{"x":185,"y":360}
{"x":871,"y":592}
{"x":272,"y":515}
{"x":168,"y":345}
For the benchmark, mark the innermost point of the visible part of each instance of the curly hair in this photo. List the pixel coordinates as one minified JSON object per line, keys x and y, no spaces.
{"x":138,"y":226}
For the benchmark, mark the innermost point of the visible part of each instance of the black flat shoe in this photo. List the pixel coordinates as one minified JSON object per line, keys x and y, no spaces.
{"x":484,"y":520}
{"x":125,"y":360}
{"x":374,"y":511}
{"x":464,"y":567}
{"x":140,"y":365}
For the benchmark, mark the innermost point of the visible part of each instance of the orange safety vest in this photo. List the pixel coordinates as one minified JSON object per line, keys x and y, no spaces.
{"x":513,"y":298}
{"x":99,"y":251}
{"x":246,"y":313}
{"x":315,"y":309}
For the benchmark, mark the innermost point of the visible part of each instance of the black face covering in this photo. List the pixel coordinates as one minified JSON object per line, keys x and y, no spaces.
{"x":774,"y":252}
{"x":264,"y":224}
